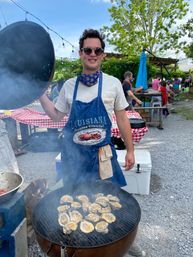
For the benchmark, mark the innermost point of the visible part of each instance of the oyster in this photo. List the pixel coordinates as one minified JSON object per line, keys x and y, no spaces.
{"x":102,"y":200}
{"x":69,"y":227}
{"x":63,"y":219}
{"x":93,"y":217}
{"x":82,"y":198}
{"x":94,"y":207}
{"x":63,"y":208}
{"x":76,"y":205}
{"x":75,"y":216}
{"x":105,"y":209}
{"x":108,"y":217}
{"x":113,"y":198}
{"x":102,"y":227}
{"x":86,"y":226}
{"x":66,"y":199}
{"x":85,"y":206}
{"x":115,"y":205}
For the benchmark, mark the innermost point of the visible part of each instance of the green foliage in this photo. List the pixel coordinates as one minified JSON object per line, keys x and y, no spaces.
{"x":65,"y":69}
{"x":188,"y":30}
{"x":151,"y":24}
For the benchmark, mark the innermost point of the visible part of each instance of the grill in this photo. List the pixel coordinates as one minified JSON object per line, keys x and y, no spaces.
{"x":45,"y":217}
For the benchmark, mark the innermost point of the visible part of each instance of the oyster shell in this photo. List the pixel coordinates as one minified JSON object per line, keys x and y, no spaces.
{"x":102,"y":200}
{"x":93,"y":217}
{"x":113,"y":198}
{"x":86,"y":227}
{"x":63,"y":219}
{"x":76,"y":205}
{"x":102,"y":227}
{"x":115,"y":205}
{"x":63,"y":208}
{"x":82,"y":198}
{"x":66,"y":199}
{"x":94,"y":207}
{"x":75,"y":216}
{"x":108,"y":217}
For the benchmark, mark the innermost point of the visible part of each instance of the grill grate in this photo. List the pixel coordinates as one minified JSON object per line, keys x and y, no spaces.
{"x":45,"y":217}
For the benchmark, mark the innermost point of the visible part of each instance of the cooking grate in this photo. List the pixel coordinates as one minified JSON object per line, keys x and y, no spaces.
{"x":45,"y":217}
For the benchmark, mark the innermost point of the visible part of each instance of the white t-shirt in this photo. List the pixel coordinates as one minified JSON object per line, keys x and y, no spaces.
{"x":112,"y":95}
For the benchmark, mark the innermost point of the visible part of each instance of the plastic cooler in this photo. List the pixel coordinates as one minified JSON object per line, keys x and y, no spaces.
{"x":138,"y":178}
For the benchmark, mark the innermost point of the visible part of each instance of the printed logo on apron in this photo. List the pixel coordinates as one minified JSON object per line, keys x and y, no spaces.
{"x":90,"y":131}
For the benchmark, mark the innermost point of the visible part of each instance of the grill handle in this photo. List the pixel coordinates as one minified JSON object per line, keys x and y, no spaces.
{"x":63,"y":251}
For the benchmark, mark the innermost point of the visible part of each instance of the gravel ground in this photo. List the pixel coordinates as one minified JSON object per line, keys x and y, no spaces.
{"x":166,"y":224}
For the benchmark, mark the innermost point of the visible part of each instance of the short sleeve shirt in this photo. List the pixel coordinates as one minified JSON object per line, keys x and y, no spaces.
{"x":112,"y":95}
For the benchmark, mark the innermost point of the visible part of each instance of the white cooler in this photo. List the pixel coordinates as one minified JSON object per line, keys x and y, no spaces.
{"x":138,"y":178}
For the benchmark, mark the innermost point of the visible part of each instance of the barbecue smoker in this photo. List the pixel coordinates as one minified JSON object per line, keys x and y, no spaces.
{"x":78,"y":244}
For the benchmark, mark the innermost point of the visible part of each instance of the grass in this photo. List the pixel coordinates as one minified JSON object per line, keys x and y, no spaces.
{"x":185,"y":112}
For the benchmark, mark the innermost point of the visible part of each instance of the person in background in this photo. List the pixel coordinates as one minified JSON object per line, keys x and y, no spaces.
{"x":90,"y":99}
{"x":164,"y":93}
{"x":156,"y":83}
{"x":56,"y":90}
{"x":176,"y":85}
{"x":129,"y":90}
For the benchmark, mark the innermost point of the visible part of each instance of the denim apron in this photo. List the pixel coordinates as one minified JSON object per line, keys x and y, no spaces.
{"x":88,"y":128}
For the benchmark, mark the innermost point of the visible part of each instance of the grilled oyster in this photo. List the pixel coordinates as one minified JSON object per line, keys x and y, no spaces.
{"x":102,"y":227}
{"x":113,"y":198}
{"x":115,"y":205}
{"x":63,"y":219}
{"x":99,"y":195}
{"x":108,"y":217}
{"x":76,"y":205}
{"x":86,"y":226}
{"x":94,"y":207}
{"x":69,"y":227}
{"x":93,"y":217}
{"x":66,"y":199}
{"x":105,"y":209}
{"x":102,"y":200}
{"x":63,"y":208}
{"x":85,"y":206}
{"x":75,"y":216}
{"x":82,"y":198}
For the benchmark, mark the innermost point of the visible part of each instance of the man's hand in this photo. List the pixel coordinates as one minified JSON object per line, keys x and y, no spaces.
{"x":129,"y":160}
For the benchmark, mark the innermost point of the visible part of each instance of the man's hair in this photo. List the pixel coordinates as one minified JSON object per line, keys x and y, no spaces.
{"x":128,"y":74}
{"x":91,"y":33}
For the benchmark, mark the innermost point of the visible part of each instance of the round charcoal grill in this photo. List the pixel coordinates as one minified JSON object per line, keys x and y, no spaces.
{"x":45,"y":217}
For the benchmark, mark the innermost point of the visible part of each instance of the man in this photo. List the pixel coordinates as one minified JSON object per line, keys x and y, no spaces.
{"x":90,"y":99}
{"x":129,"y":91}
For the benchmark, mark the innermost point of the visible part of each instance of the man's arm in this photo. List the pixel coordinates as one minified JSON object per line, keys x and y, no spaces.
{"x":130,"y":93}
{"x":125,"y":130}
{"x":50,"y":109}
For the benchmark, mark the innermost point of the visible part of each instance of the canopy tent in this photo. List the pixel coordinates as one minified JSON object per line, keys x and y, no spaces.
{"x":142,"y":72}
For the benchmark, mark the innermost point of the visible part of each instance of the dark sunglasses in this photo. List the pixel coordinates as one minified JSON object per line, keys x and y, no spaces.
{"x":87,"y":50}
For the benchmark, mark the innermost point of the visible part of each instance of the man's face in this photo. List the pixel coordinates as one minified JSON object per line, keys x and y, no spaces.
{"x":91,"y":61}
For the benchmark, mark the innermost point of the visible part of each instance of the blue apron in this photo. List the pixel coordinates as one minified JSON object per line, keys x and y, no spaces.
{"x":88,"y":128}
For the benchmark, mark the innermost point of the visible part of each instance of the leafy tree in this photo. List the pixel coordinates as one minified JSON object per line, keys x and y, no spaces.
{"x":151,"y":24}
{"x":188,"y":31}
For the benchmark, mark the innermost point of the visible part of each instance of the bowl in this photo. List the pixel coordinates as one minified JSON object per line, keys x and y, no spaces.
{"x":13,"y":182}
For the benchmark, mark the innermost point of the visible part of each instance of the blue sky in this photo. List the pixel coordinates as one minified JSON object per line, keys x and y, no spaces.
{"x":67,"y":18}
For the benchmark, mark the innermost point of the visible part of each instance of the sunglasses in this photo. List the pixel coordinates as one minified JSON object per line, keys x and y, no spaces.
{"x":87,"y":50}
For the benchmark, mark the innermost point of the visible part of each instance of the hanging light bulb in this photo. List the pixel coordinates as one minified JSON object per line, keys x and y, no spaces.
{"x":26,"y":13}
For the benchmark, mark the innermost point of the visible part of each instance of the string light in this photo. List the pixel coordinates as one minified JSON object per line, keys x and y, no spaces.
{"x":45,"y":25}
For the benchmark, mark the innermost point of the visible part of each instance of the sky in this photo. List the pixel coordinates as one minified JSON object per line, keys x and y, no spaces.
{"x":67,"y":18}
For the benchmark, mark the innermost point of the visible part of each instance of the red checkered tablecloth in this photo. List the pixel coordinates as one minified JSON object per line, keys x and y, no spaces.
{"x":32,"y":117}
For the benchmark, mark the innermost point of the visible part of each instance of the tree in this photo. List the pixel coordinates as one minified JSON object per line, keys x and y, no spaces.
{"x":151,"y":24}
{"x":188,"y":31}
